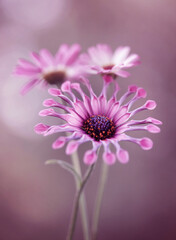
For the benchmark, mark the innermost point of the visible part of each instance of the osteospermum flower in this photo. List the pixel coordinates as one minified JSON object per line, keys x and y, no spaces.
{"x":48,"y":69}
{"x":101,"y":59}
{"x":98,"y":120}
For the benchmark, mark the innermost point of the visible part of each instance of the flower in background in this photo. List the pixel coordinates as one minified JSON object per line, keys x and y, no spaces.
{"x":102,"y":60}
{"x":98,"y":120}
{"x":48,"y":69}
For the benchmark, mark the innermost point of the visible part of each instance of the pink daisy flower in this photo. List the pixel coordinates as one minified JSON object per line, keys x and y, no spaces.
{"x":98,"y":120}
{"x":102,"y":60}
{"x":48,"y":69}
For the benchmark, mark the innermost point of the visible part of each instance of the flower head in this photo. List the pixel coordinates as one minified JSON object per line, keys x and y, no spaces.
{"x":48,"y":69}
{"x":101,"y":59}
{"x":98,"y":120}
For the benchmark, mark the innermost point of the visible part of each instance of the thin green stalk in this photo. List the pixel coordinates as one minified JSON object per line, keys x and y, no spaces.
{"x":76,"y":204}
{"x":98,"y":201}
{"x":83,"y":206}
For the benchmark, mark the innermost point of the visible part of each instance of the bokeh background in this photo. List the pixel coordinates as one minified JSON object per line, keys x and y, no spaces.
{"x":140,"y":197}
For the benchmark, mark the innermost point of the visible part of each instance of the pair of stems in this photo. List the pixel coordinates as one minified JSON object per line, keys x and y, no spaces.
{"x":80,"y":199}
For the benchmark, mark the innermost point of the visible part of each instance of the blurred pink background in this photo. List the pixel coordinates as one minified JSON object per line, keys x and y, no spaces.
{"x":140,"y":198}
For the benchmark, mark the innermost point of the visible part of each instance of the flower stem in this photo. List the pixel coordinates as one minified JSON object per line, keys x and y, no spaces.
{"x":83,"y":206}
{"x":101,"y":187}
{"x":76,"y":203}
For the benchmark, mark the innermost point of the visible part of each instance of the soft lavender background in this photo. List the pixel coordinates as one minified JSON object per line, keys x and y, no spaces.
{"x":140,"y":198}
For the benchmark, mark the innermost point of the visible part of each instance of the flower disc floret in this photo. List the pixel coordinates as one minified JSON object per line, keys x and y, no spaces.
{"x":99,"y":127}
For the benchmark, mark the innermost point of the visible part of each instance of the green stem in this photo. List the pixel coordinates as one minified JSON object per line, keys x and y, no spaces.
{"x":83,"y":206}
{"x":101,"y":187}
{"x":76,"y":203}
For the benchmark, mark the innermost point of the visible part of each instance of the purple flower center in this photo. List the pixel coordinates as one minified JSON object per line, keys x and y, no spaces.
{"x":99,"y":127}
{"x":55,"y":77}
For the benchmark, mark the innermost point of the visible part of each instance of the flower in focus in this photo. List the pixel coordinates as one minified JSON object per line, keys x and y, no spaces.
{"x":48,"y":69}
{"x":98,"y":120}
{"x":102,"y":60}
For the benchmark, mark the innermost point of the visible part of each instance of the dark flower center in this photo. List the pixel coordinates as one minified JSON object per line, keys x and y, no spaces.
{"x":55,"y":77}
{"x":108,"y":67}
{"x":99,"y":127}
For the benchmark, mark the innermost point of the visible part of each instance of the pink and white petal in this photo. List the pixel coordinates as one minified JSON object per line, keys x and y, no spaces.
{"x":150,"y":104}
{"x":150,"y":128}
{"x":29,"y":72}
{"x":59,"y":143}
{"x":36,"y":59}
{"x":120,"y":55}
{"x":41,"y":128}
{"x":120,"y":112}
{"x":72,"y":54}
{"x":145,"y":143}
{"x":132,"y":60}
{"x":95,"y":104}
{"x":72,"y":146}
{"x":153,"y":129}
{"x":123,"y":156}
{"x":121,"y":73}
{"x":80,"y":109}
{"x":60,"y":128}
{"x":114,"y":110}
{"x":29,"y":86}
{"x":102,"y":104}
{"x":109,"y":158}
{"x":154,"y":121}
{"x":122,"y":119}
{"x":26,"y":64}
{"x":73,"y":120}
{"x":90,"y":157}
{"x":95,"y":56}
{"x":105,"y":53}
{"x":46,"y":58}
{"x":62,"y":51}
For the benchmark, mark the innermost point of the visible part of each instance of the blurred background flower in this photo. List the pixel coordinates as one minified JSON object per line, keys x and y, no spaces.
{"x":36,"y":200}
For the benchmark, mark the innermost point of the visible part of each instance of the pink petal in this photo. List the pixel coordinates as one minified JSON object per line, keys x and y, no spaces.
{"x":132,"y":88}
{"x":36,"y":59}
{"x":49,"y":103}
{"x":72,"y":54}
{"x":150,"y":104}
{"x":59,"y":143}
{"x":66,"y":86}
{"x":29,"y":86}
{"x":120,"y":55}
{"x":141,"y":93}
{"x":41,"y":128}
{"x":122,"y":73}
{"x":26,"y":64}
{"x":90,"y":157}
{"x":95,"y":105}
{"x":154,"y":120}
{"x":132,"y":60}
{"x":72,"y":146}
{"x":46,"y":112}
{"x":109,"y":158}
{"x":46,"y":57}
{"x":54,"y":92}
{"x":146,"y":143}
{"x":123,"y":156}
{"x":153,"y":129}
